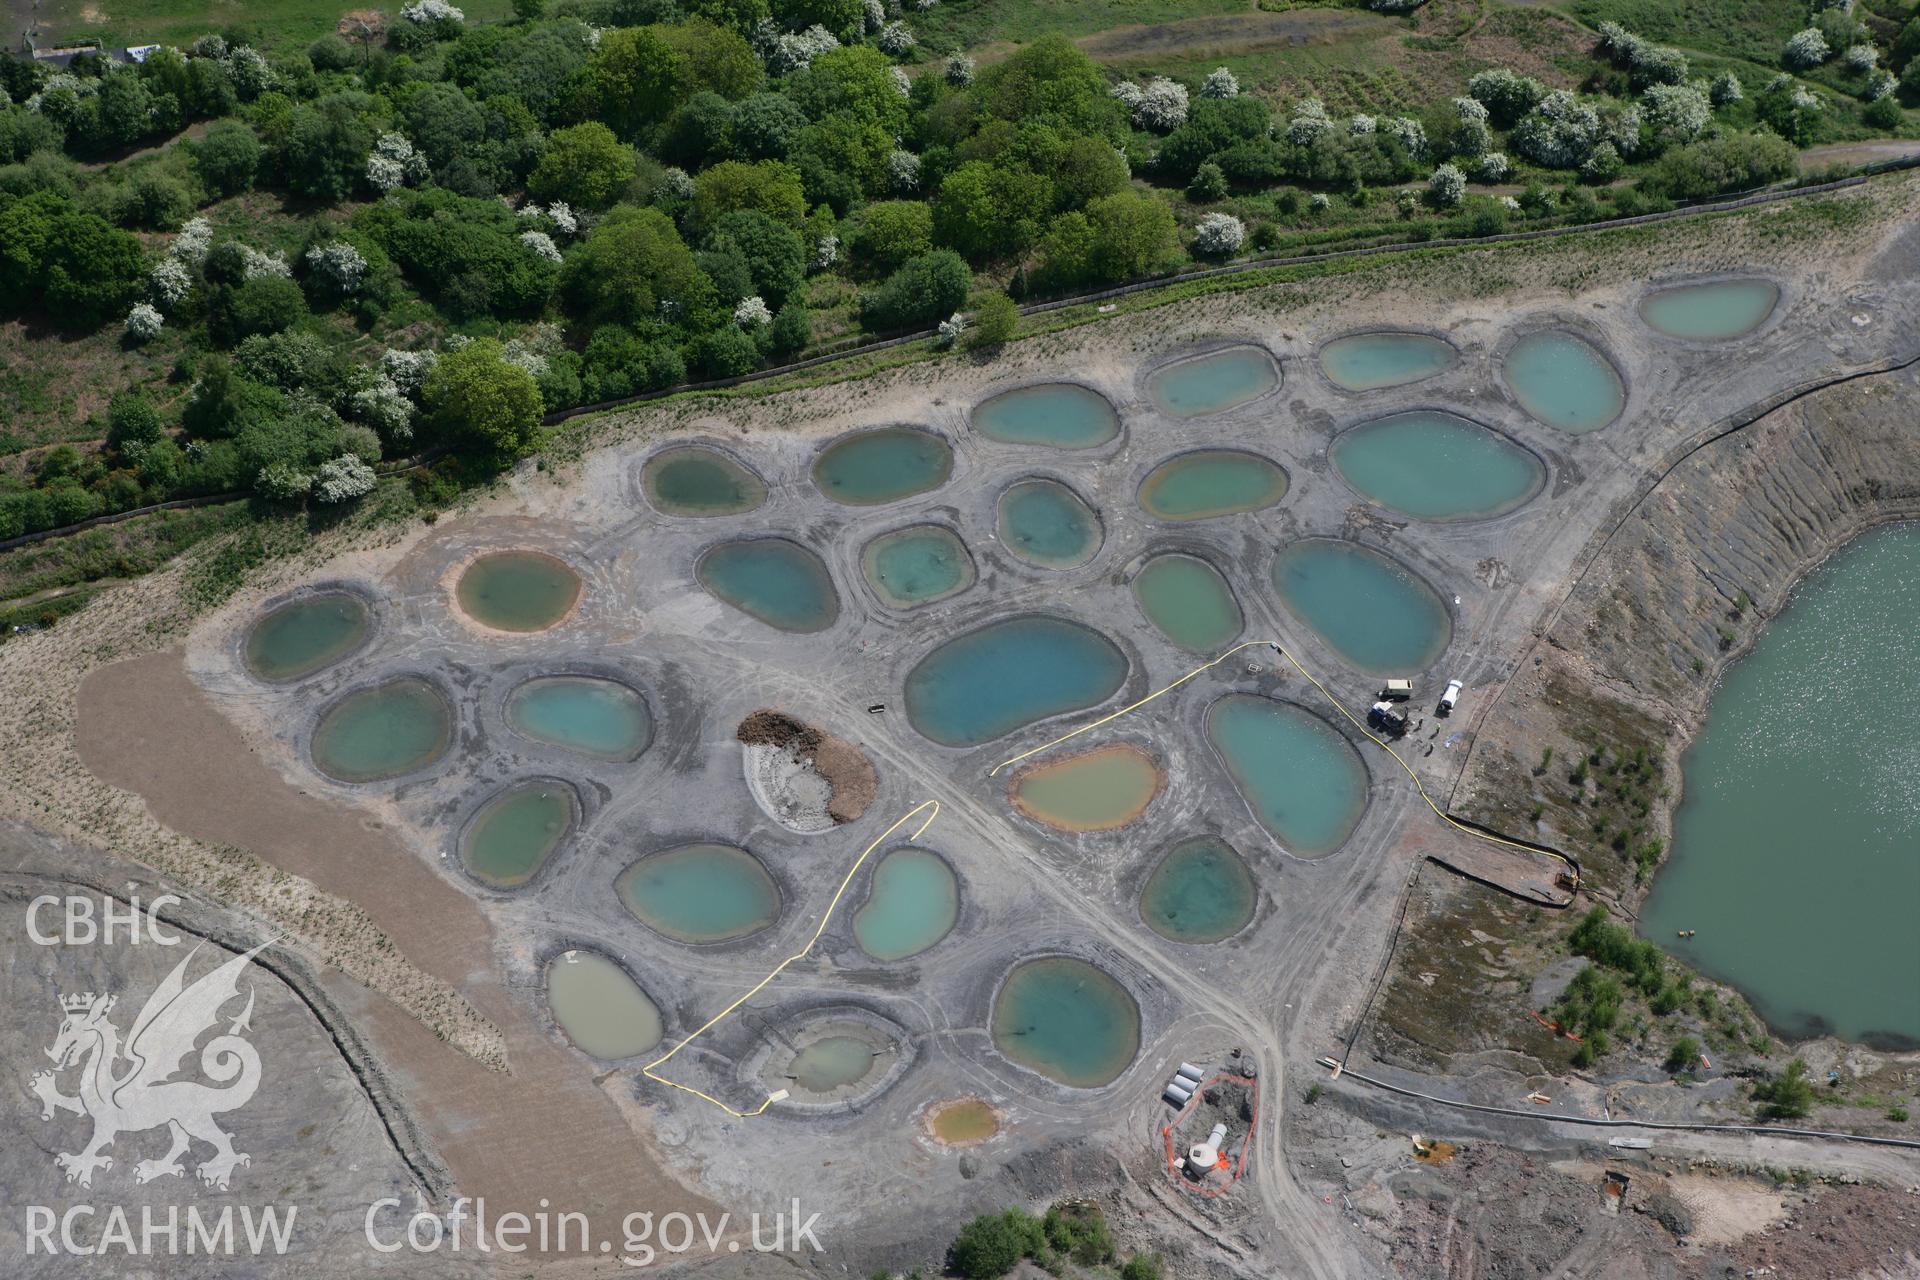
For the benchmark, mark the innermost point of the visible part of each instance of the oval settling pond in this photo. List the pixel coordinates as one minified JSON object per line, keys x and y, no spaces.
{"x":692,"y":480}
{"x":1564,"y":381}
{"x":778,"y":582}
{"x":1371,"y":610}
{"x":383,"y":731}
{"x":1711,"y":312}
{"x":602,"y":1010}
{"x":917,"y":565}
{"x":1188,"y":600}
{"x":1214,"y":382}
{"x":1046,"y":524}
{"x":302,"y":636}
{"x":1303,"y":781}
{"x":1003,"y":676}
{"x":588,"y":715}
{"x":1066,"y":1020}
{"x":1098,"y":790}
{"x":515,"y":832}
{"x":1211,"y":482}
{"x":1370,"y":361}
{"x":518,"y":590}
{"x":868,"y":468}
{"x":1201,"y":892}
{"x":911,"y":905}
{"x":1436,"y":466}
{"x":1059,"y":415}
{"x":700,"y":893}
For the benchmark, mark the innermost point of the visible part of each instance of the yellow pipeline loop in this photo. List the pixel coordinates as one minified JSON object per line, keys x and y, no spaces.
{"x":1281,"y":649}
{"x":778,"y":969}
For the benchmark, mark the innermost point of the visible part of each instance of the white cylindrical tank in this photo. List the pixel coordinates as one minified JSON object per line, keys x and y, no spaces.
{"x":1177,"y":1097}
{"x":1191,"y":1072}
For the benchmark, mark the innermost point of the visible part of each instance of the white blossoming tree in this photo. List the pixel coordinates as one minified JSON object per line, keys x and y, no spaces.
{"x":1447,"y":187}
{"x":337,"y":265}
{"x":1807,"y":49}
{"x":752,"y":312}
{"x":1220,"y":83}
{"x":343,"y":479}
{"x":1219,"y":235}
{"x":144,"y":322}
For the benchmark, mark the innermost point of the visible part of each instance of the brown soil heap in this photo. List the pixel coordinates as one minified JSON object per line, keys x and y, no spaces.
{"x":847,"y":770}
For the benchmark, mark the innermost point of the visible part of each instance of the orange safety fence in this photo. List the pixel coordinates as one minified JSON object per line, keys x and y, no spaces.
{"x":1246,"y":1146}
{"x":1555,"y":1027}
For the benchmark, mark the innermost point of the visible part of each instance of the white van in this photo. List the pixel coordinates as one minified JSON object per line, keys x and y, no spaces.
{"x":1450,"y":697}
{"x":1397,"y":690}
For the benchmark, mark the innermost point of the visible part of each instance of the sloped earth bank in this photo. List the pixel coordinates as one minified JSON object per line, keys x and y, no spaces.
{"x":192,"y":766}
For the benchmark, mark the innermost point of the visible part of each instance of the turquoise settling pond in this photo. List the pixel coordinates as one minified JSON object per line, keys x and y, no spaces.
{"x":1711,"y":312}
{"x":832,"y":1062}
{"x":911,"y":905}
{"x":585,"y":714}
{"x":1188,"y":600}
{"x":1046,"y":524}
{"x":304,"y":635}
{"x":602,"y":1010}
{"x":1201,"y":892}
{"x":1302,"y":780}
{"x":1369,"y":361}
{"x":1796,"y":848}
{"x":517,"y":831}
{"x":871,"y":467}
{"x":917,"y":565}
{"x":693,"y":481}
{"x":383,"y":731}
{"x":1564,"y":382}
{"x":1369,"y":609}
{"x":1213,"y":383}
{"x":701,"y":893}
{"x":1211,"y":482}
{"x":518,"y":590}
{"x":990,"y":681}
{"x":1060,"y":415}
{"x":1435,"y":466}
{"x":781,"y":583}
{"x":1066,"y":1020}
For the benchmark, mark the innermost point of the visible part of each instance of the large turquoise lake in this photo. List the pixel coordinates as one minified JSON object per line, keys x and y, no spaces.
{"x":994,"y":679}
{"x":1796,"y":849}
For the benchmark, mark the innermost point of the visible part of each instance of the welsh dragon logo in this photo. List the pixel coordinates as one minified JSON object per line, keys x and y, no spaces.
{"x":132,"y":1089}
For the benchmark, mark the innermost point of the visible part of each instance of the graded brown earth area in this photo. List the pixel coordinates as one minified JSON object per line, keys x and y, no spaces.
{"x":541,"y":1128}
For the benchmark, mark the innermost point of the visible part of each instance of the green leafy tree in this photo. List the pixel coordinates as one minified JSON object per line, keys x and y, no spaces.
{"x":992,"y":1245}
{"x":133,"y":424}
{"x":791,"y":331}
{"x":74,"y":267}
{"x":1787,"y":1096}
{"x":775,"y":258}
{"x":857,"y":81}
{"x":844,"y":18}
{"x":713,"y":58}
{"x":987,"y":212}
{"x":1050,"y":80}
{"x":764,"y":126}
{"x":477,"y":400}
{"x":634,"y":268}
{"x":726,"y":352}
{"x":584,"y":165}
{"x":226,"y":157}
{"x":323,"y":153}
{"x":995,"y":317}
{"x":924,"y":291}
{"x":632,"y":80}
{"x":1134,"y":234}
{"x":700,"y":132}
{"x":888,"y":233}
{"x":1730,"y":162}
{"x":768,"y":186}
{"x":1684,"y":1054}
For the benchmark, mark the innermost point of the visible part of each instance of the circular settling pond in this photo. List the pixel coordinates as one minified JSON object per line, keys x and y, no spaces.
{"x":515,"y":833}
{"x":1066,"y":1020}
{"x":1045,"y":523}
{"x":1213,"y":383}
{"x":1369,"y":361}
{"x":690,"y":480}
{"x":779,"y":582}
{"x":1564,"y":381}
{"x":701,"y":893}
{"x":304,"y":635}
{"x":1098,"y":790}
{"x":1711,"y":312}
{"x":1211,"y":482}
{"x":912,"y":904}
{"x":1188,"y":600}
{"x":871,"y":467}
{"x":1202,"y":891}
{"x":1302,"y":780}
{"x":1372,"y":611}
{"x":383,"y":731}
{"x":1059,"y":415}
{"x":585,"y":714}
{"x":602,"y":1010}
{"x":518,"y":590}
{"x":1435,"y":466}
{"x":963,"y":1122}
{"x":990,"y":681}
{"x":917,"y":565}
{"x":833,"y":1062}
